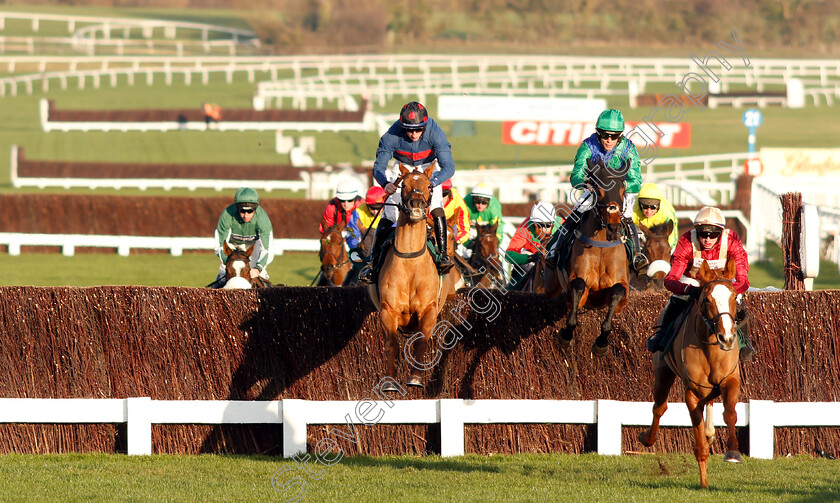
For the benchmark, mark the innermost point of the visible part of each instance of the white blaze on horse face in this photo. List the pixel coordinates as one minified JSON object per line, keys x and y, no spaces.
{"x":722,"y":295}
{"x":239,"y":266}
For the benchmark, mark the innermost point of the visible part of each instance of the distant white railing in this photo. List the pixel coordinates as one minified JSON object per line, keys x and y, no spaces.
{"x":119,"y":46}
{"x":139,"y":414}
{"x":328,"y":77}
{"x":104,"y":25}
{"x":124,"y":244}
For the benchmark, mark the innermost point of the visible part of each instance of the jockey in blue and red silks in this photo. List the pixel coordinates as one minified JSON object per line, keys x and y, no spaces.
{"x":415,"y":140}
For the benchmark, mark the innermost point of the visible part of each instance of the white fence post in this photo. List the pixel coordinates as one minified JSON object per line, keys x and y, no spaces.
{"x":451,"y":412}
{"x":762,"y":429}
{"x":609,"y":427}
{"x":294,"y":426}
{"x":138,"y":425}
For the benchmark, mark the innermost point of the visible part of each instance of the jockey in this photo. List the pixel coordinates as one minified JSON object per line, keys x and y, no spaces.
{"x":339,"y":208}
{"x":242,"y":223}
{"x":452,"y":205}
{"x":484,"y":209}
{"x":364,"y":218}
{"x":415,"y":140}
{"x":526,"y":241}
{"x":608,"y":145}
{"x":653,"y":209}
{"x":708,"y":241}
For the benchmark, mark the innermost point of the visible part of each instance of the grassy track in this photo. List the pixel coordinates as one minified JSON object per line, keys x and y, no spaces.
{"x":500,"y":478}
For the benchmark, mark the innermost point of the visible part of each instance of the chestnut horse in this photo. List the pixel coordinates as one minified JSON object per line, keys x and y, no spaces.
{"x":705,"y":357}
{"x":410,"y":293}
{"x":485,"y":258}
{"x":335,"y":262}
{"x":238,"y":269}
{"x":657,"y":249}
{"x":598,"y":271}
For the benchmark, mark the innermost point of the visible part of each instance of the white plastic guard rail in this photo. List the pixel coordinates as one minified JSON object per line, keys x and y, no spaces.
{"x":124,"y":244}
{"x":139,"y":414}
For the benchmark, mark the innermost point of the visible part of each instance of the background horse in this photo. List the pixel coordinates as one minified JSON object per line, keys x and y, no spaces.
{"x":238,"y":269}
{"x":410,"y":294}
{"x":485,"y":258}
{"x":705,"y":357}
{"x":335,"y":262}
{"x":657,"y":249}
{"x":598,"y":266}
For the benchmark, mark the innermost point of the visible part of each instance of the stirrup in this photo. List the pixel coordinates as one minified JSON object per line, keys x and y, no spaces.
{"x":640,"y":261}
{"x":366,"y":274}
{"x":445,"y":265}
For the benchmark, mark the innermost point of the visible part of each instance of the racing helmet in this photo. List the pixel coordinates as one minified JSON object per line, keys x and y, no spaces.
{"x":482,"y":190}
{"x":709,"y":216}
{"x":246,"y":198}
{"x":413,"y":116}
{"x":542,"y":213}
{"x":375,"y":195}
{"x":346,"y":190}
{"x":610,"y":120}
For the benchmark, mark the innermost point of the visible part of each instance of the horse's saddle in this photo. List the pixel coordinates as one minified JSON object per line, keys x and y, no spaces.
{"x":673,"y":328}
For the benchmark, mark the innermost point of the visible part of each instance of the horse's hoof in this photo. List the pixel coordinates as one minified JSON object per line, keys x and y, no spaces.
{"x":389,"y":386}
{"x":414,"y":381}
{"x":643,"y":438}
{"x":563,"y":342}
{"x":732,"y":457}
{"x":600,"y":351}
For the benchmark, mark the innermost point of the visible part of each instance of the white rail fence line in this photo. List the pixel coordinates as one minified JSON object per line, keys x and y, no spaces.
{"x":140,"y":413}
{"x":124,"y":244}
{"x":91,"y":47}
{"x":105,"y":25}
{"x":331,"y":71}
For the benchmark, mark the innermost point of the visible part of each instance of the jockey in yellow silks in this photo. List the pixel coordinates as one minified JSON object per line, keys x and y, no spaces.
{"x":652,"y":208}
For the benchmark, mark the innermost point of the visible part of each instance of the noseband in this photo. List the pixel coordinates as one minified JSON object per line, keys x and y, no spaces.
{"x":711,"y":323}
{"x":413,"y":195}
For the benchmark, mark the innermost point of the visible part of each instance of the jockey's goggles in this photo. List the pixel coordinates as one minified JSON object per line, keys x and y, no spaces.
{"x":481,"y":200}
{"x":606,"y":135}
{"x":446,"y":192}
{"x":649,"y":206}
{"x":375,"y":207}
{"x":247,"y":210}
{"x":708,"y":235}
{"x":543,"y":225}
{"x":410,"y":128}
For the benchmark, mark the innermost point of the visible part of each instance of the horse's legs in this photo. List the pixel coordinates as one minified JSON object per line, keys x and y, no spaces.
{"x":662,"y":382}
{"x":617,"y":293}
{"x":731,"y":393}
{"x":420,"y":349}
{"x":392,"y":343}
{"x":701,"y":445}
{"x":578,"y":288}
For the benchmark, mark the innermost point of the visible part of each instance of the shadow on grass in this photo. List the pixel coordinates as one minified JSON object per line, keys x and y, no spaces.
{"x":427,"y":463}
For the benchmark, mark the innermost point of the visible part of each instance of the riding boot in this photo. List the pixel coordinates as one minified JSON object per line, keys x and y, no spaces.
{"x":370,"y":272}
{"x":672,"y":309}
{"x":562,"y":238}
{"x":444,"y":263}
{"x":639,"y":258}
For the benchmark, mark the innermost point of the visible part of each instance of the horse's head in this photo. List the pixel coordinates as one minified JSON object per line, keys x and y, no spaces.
{"x":608,"y":186}
{"x":717,"y":303}
{"x":332,"y":254}
{"x":238,"y":266}
{"x":416,"y":192}
{"x":657,"y":249}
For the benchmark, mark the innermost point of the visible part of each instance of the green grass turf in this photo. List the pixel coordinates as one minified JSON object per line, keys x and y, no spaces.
{"x":499,"y":478}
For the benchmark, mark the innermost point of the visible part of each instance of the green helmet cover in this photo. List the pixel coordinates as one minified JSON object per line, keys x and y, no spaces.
{"x":246,"y":195}
{"x":610,"y":120}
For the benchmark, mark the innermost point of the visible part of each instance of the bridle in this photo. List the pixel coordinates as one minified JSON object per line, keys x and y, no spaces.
{"x":413,"y":194}
{"x":340,"y":259}
{"x":711,"y":323}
